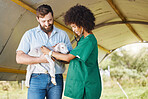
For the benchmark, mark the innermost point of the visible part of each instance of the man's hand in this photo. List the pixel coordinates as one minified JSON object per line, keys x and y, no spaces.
{"x":43,"y":59}
{"x":45,"y":50}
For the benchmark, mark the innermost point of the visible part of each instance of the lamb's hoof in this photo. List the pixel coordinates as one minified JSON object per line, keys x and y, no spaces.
{"x":54,"y":83}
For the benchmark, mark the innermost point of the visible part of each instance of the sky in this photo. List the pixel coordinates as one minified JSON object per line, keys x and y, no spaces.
{"x":133,"y":49}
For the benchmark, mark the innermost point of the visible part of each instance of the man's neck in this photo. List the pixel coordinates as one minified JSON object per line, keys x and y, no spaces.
{"x":49,"y":33}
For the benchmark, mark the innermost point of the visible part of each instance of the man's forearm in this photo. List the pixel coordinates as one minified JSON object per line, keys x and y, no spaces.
{"x":22,"y":58}
{"x":26,"y":59}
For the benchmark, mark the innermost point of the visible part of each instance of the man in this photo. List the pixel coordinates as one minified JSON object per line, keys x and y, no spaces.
{"x":45,"y":34}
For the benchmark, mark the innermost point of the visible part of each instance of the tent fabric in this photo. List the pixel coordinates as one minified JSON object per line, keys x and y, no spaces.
{"x":15,"y":20}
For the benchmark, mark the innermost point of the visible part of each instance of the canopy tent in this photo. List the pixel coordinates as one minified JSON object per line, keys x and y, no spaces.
{"x":118,"y":23}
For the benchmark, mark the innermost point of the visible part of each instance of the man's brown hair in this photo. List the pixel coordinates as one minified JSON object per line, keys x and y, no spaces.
{"x":42,"y":10}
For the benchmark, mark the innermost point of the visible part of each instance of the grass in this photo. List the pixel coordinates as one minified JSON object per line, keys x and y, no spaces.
{"x":132,"y":93}
{"x":110,"y":91}
{"x":13,"y":94}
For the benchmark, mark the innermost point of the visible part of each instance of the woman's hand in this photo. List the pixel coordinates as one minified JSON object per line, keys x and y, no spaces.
{"x":45,"y":50}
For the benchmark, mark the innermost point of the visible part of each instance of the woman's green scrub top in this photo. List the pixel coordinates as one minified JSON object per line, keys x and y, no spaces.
{"x":83,"y":78}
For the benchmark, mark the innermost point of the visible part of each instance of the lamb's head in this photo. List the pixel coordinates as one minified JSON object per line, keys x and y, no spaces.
{"x":61,"y":47}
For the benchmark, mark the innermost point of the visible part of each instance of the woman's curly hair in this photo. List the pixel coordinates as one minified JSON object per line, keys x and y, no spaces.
{"x":81,"y":16}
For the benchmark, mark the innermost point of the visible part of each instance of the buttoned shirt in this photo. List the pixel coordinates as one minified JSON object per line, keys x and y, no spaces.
{"x":35,"y":37}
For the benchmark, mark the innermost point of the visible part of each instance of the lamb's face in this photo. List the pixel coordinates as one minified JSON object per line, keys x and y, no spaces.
{"x":61,"y":47}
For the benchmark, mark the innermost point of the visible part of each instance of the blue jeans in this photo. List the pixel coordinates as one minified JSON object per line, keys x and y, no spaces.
{"x":41,"y":87}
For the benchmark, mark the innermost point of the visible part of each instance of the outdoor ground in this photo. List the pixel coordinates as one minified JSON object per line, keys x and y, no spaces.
{"x":109,"y":92}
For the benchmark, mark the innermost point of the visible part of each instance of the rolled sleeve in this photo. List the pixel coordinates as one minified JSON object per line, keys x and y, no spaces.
{"x":83,"y":50}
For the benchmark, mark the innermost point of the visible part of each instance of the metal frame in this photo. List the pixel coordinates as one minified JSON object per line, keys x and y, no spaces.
{"x":120,"y":22}
{"x":124,"y":19}
{"x":9,"y":70}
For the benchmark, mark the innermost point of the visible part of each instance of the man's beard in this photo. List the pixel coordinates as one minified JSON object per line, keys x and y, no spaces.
{"x":47,"y":30}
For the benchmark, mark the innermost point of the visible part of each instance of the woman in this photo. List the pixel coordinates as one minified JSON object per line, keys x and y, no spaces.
{"x":83,"y":78}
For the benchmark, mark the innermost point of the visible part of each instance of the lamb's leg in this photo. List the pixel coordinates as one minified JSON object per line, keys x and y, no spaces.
{"x":52,"y":69}
{"x":52,"y":73}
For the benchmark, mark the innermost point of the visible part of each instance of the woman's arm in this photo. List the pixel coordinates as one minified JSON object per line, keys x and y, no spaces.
{"x":58,"y":56}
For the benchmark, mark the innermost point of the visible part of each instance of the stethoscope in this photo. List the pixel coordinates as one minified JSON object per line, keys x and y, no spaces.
{"x":77,"y":39}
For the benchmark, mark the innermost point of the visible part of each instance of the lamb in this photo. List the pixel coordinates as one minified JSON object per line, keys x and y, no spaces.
{"x":50,"y":67}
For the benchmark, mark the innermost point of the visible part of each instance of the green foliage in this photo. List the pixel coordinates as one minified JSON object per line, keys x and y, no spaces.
{"x":123,"y":72}
{"x":125,"y":66}
{"x":104,"y":65}
{"x":144,"y":95}
{"x":123,"y":58}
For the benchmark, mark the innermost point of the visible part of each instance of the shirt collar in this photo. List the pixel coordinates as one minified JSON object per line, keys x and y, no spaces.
{"x":53,"y":31}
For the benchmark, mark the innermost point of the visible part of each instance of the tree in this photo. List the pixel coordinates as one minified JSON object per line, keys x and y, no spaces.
{"x":132,"y":63}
